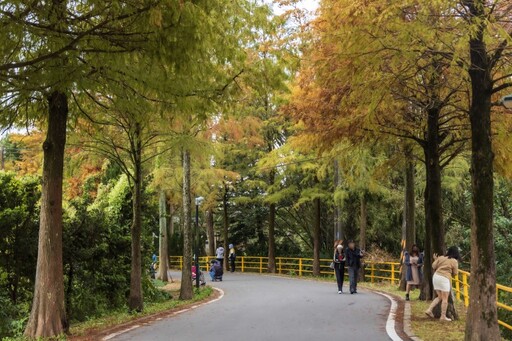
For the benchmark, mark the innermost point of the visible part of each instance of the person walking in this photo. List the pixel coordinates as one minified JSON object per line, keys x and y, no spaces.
{"x":339,"y":265}
{"x":220,"y":255}
{"x":413,"y":274}
{"x":353,"y":260}
{"x":445,"y":267}
{"x":232,"y":257}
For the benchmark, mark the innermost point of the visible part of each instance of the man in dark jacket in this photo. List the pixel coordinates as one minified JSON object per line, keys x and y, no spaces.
{"x":353,"y":258}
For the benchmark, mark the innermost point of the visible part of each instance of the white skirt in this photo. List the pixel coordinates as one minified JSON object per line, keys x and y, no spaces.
{"x":441,"y":283}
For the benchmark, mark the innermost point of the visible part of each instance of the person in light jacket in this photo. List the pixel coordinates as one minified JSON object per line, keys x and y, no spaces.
{"x":413,"y":274}
{"x":220,"y":255}
{"x":445,"y":267}
{"x":339,"y":265}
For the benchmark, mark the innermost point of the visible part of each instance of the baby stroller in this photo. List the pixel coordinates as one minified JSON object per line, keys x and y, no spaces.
{"x":216,"y":271}
{"x":201,"y":276}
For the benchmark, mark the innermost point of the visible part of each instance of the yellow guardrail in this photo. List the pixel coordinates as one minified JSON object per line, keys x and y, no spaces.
{"x":461,"y":286}
{"x":373,"y":271}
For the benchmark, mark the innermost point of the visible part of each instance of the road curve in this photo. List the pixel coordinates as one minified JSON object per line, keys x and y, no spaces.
{"x":261,"y":308}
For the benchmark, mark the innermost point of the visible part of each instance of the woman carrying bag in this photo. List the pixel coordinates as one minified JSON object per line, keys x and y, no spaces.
{"x":339,"y":265}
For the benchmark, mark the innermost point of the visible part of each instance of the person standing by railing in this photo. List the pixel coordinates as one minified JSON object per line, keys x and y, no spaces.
{"x":353,"y":256}
{"x":413,"y":275}
{"x":445,"y":268}
{"x":339,"y":265}
{"x":220,"y":255}
{"x":232,"y":257}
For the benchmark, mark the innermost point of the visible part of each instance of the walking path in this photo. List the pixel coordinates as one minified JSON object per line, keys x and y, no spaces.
{"x":261,"y":308}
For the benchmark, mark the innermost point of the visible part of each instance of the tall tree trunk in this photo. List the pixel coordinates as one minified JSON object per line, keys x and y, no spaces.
{"x":338,"y":230}
{"x":225,"y":229}
{"x":409,"y":225}
{"x":434,"y":227}
{"x":186,"y":292}
{"x":48,"y":314}
{"x":363,"y":222}
{"x":271,"y":266}
{"x":316,"y":237}
{"x":171,"y":219}
{"x":211,"y":232}
{"x":135,"y":299}
{"x":163,"y":249}
{"x":482,"y":317}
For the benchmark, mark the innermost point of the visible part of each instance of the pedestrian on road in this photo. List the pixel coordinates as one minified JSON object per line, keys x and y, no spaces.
{"x":445,"y":267}
{"x":220,"y":255}
{"x":353,"y":256}
{"x":232,"y":257}
{"x":339,"y":265}
{"x":414,"y":274}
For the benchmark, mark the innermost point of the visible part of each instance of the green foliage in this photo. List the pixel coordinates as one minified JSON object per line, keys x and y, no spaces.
{"x":19,"y":211}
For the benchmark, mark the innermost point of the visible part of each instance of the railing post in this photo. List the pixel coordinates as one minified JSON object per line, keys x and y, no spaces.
{"x":465,"y":284}
{"x":242,"y":266}
{"x":300,"y":266}
{"x":373,"y":271}
{"x":279,"y":266}
{"x":457,"y":287}
{"x":261,"y":265}
{"x":392,"y":273}
{"x":181,"y":262}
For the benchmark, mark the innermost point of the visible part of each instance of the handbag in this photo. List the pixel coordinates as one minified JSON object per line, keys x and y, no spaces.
{"x":332,"y":266}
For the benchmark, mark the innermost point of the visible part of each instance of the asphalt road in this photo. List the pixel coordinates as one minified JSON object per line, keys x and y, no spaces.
{"x":261,"y":308}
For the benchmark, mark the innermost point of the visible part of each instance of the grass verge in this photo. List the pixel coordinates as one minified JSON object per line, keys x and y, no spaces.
{"x":119,"y":317}
{"x":423,"y":326}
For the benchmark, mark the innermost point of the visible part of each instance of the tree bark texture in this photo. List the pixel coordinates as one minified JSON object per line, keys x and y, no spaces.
{"x":225,"y":229}
{"x":316,"y":237}
{"x":48,"y":314}
{"x":409,"y":224}
{"x":271,"y":266}
{"x":363,"y":224}
{"x":211,"y":232}
{"x":163,"y":245}
{"x":434,"y":227}
{"x":338,"y":230}
{"x":482,"y":317}
{"x":186,"y":292}
{"x":135,"y":299}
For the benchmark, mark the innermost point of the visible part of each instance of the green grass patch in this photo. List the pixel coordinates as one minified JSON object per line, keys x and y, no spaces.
{"x":432,"y":330}
{"x":119,"y":317}
{"x":423,"y":326}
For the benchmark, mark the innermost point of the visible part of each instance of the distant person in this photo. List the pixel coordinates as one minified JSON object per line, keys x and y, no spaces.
{"x":353,"y":259}
{"x":215,"y":270}
{"x":413,"y":275}
{"x":220,"y":255}
{"x":339,"y":265}
{"x":153,"y":267}
{"x":445,"y":267}
{"x":232,"y":257}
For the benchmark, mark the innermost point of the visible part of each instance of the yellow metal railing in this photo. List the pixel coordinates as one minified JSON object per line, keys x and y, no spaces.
{"x":373,"y":271}
{"x":460,"y":285}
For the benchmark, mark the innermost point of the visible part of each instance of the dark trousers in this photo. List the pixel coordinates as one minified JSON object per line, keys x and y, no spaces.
{"x":339,"y":270}
{"x":232,"y":264}
{"x":353,"y":272}
{"x":221,"y":261}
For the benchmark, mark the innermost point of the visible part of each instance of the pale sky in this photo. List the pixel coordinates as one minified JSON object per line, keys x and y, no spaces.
{"x":310,"y":5}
